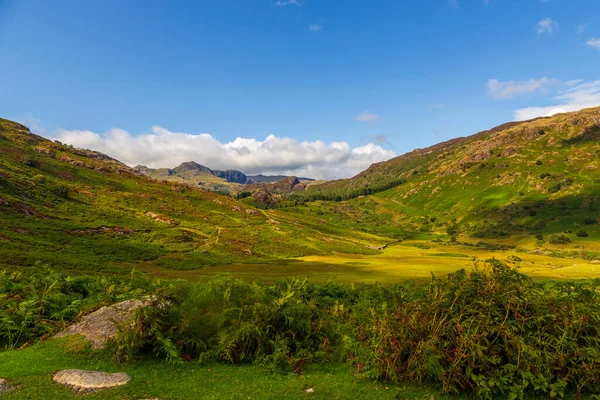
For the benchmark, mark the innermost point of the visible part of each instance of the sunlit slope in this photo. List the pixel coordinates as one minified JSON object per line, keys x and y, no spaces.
{"x":541,"y":176}
{"x":82,"y":209}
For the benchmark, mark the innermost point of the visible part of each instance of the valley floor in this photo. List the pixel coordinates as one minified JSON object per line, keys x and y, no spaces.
{"x":410,"y":260}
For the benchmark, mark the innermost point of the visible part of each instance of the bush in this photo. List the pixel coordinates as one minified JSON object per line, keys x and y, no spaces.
{"x":560,"y":239}
{"x":493,"y":332}
{"x":554,"y":187}
{"x":589,"y":221}
{"x":582,"y":233}
{"x":538,"y":162}
{"x":61,"y":191}
{"x":38,"y":301}
{"x":539,"y":236}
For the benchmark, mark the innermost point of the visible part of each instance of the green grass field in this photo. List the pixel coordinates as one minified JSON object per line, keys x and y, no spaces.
{"x":31,"y":370}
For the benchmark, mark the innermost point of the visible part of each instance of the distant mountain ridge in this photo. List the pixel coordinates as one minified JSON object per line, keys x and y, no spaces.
{"x":191,"y":170}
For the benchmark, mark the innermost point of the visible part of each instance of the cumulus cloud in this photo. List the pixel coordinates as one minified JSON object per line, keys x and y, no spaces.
{"x":367,"y":117}
{"x":580,"y":95}
{"x":162,"y":148}
{"x":595,"y":43}
{"x":511,"y":89}
{"x":546,"y":26}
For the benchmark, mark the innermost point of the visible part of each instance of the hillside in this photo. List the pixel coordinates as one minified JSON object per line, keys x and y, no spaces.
{"x":522,"y":178}
{"x":81,"y":209}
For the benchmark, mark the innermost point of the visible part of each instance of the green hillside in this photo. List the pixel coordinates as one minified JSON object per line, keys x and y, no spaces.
{"x":81,"y":209}
{"x":537,"y":177}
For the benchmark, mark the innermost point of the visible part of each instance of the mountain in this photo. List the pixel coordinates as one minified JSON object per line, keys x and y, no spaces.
{"x":255,"y":179}
{"x":196,"y":174}
{"x":80,"y":209}
{"x":521,"y":178}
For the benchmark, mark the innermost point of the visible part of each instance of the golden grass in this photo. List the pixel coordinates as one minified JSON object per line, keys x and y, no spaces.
{"x":398,"y":263}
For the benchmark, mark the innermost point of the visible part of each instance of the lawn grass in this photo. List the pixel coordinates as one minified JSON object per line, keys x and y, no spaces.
{"x":31,"y":370}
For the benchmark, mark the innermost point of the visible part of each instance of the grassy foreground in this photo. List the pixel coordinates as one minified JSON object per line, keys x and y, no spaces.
{"x":490,"y":333}
{"x":32,"y":369}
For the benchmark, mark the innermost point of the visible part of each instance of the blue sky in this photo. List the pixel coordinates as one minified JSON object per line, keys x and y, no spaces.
{"x":141,"y":79}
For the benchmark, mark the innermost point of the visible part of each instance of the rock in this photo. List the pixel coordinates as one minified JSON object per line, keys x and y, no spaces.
{"x":99,"y":326}
{"x":160,"y":218}
{"x":5,"y":387}
{"x":82,"y":381}
{"x":310,"y":390}
{"x":596,"y":262}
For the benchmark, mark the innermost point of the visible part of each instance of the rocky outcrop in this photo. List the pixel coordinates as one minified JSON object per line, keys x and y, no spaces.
{"x":232,"y":175}
{"x":83,"y":382}
{"x":101,"y":325}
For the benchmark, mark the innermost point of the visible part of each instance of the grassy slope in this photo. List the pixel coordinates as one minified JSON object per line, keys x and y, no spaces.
{"x":104,"y":222}
{"x":32,"y":369}
{"x":492,"y":184}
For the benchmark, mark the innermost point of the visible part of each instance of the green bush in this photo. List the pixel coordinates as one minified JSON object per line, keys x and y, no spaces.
{"x":495,"y":333}
{"x":37,"y":301}
{"x":554,"y":187}
{"x":589,"y":221}
{"x":560,"y":239}
{"x":61,"y":191}
{"x":582,"y":233}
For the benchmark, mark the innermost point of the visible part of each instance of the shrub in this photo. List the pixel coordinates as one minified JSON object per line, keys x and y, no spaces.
{"x":582,"y":233}
{"x":554,"y":187}
{"x":589,"y":221}
{"x":560,"y":239}
{"x":538,"y":162}
{"x":493,"y":332}
{"x":539,"y":236}
{"x":61,"y":191}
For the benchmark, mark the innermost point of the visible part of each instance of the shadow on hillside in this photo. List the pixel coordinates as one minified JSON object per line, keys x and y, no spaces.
{"x":589,"y":135}
{"x":548,"y":216}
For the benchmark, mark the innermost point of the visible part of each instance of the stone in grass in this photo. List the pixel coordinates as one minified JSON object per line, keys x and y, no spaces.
{"x":83,"y":382}
{"x":5,"y":387}
{"x":101,"y":325}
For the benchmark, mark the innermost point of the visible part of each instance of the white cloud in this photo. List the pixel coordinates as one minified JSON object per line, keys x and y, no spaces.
{"x":511,"y":89}
{"x":595,"y":43}
{"x":579,"y":29}
{"x":453,"y":3}
{"x":577,"y":97}
{"x":546,"y":26}
{"x":274,"y":155}
{"x":367,"y":117}
{"x":288,"y":2}
{"x":315,"y":27}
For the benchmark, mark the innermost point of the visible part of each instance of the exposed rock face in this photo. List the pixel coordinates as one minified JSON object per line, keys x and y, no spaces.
{"x":264,"y":196}
{"x":232,"y":175}
{"x":83,"y":381}
{"x":99,"y":326}
{"x":5,"y":387}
